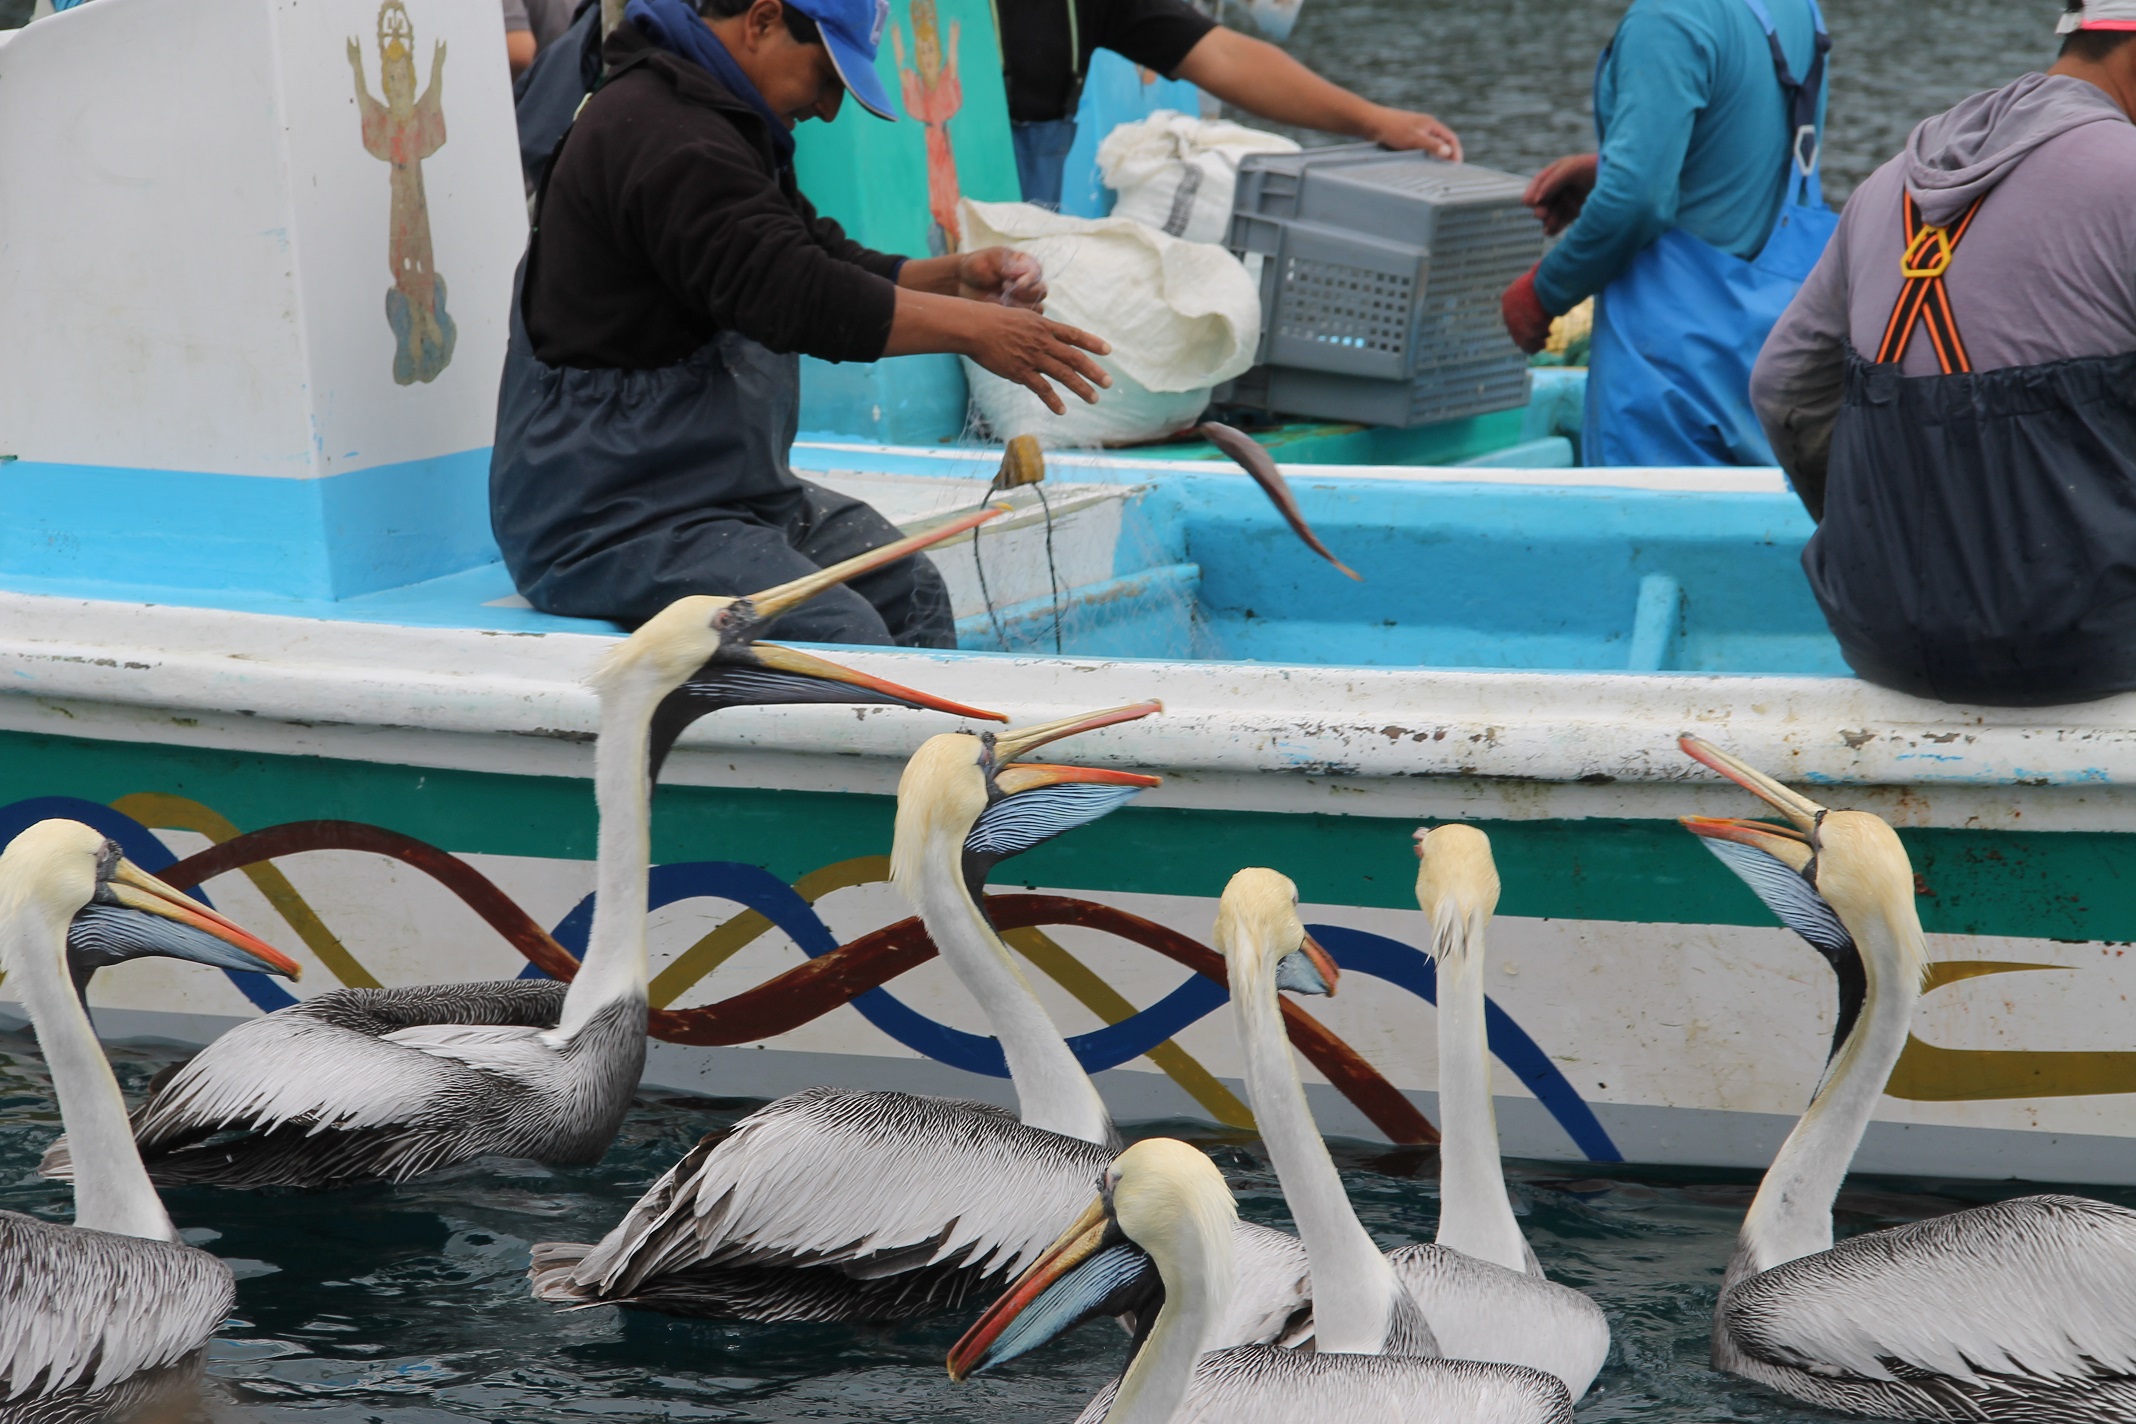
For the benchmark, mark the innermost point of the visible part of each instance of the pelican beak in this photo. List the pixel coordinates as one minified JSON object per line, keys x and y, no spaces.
{"x":1034,"y":776}
{"x":1091,"y":1270}
{"x":794,"y":663}
{"x":1790,"y":847}
{"x":1010,"y":745}
{"x":773,"y":601}
{"x":1797,"y":808}
{"x":1308,"y":969}
{"x":180,"y":927}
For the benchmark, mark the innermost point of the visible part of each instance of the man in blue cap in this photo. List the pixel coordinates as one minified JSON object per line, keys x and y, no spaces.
{"x":651,"y":384}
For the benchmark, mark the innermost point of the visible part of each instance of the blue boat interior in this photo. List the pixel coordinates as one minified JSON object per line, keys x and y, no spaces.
{"x":1455,"y":574}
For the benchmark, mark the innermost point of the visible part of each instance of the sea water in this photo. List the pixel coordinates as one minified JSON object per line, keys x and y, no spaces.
{"x":408,"y":1304}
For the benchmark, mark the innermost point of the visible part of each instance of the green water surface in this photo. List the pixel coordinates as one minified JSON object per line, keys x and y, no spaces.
{"x":408,"y":1305}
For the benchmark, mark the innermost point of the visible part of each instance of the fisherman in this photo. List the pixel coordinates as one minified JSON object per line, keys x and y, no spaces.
{"x":651,"y":385}
{"x":1692,"y":228}
{"x":1046,"y":47}
{"x":1954,"y":392}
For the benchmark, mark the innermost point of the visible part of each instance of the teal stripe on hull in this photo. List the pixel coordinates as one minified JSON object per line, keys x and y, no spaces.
{"x":2065,"y":885}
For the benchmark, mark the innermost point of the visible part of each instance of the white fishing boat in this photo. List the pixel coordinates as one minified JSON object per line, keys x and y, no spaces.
{"x":247,"y":587}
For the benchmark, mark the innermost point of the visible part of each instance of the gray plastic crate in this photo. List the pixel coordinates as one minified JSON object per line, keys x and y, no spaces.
{"x":1380,"y":279}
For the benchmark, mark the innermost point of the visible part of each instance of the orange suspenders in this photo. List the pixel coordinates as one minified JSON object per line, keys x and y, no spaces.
{"x":1924,"y":300}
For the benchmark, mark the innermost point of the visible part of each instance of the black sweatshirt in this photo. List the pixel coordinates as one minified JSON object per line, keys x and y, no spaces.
{"x":1045,"y":52}
{"x":667,"y":219}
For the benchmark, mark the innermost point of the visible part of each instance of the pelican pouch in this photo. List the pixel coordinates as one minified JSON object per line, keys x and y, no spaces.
{"x":1978,"y":542}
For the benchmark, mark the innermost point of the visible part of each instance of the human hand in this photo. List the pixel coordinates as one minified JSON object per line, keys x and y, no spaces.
{"x":437,"y":59}
{"x":1397,"y":128}
{"x":356,"y":56}
{"x":1003,"y":275}
{"x":1557,"y":194}
{"x":1024,"y":347}
{"x":1527,"y":321}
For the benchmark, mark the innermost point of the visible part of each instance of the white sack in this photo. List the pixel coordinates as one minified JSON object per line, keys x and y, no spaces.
{"x":1178,"y":174}
{"x":1181,"y":317}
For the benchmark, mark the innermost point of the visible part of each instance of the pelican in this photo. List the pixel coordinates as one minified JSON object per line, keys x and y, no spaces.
{"x":96,"y":1315}
{"x":1166,"y":1202}
{"x":2021,"y":1311}
{"x":849,"y":1205}
{"x":1359,"y":1307}
{"x":366,"y":1084}
{"x":1476,"y":1294}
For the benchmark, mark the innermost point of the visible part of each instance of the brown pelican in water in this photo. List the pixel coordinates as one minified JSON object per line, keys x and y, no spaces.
{"x":2020,"y":1311}
{"x":96,"y":1316}
{"x":1167,"y":1202}
{"x":1477,"y":1293}
{"x":836,"y":1204}
{"x":362,"y":1084}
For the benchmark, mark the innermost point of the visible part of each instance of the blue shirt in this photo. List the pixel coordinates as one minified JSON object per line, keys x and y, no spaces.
{"x":1694,"y":135}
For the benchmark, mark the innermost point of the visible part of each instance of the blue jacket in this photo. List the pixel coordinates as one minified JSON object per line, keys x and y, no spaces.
{"x":1694,"y":135}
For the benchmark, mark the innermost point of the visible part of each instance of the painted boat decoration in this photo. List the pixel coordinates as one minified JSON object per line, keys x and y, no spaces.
{"x":251,"y":623}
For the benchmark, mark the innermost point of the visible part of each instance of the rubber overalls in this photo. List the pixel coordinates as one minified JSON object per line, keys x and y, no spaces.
{"x":1979,"y":534}
{"x":1677,"y":332}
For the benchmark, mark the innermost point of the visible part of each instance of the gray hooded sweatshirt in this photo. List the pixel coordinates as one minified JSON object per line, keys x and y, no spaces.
{"x":2047,"y":271}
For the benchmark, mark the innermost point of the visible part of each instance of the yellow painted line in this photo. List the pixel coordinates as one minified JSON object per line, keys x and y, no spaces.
{"x":1093,"y":993}
{"x":1928,"y":1073}
{"x":155,"y":809}
{"x":723,"y":943}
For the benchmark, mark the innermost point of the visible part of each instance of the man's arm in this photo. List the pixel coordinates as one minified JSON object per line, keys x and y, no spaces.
{"x":716,"y":226}
{"x":518,"y":36}
{"x":1666,"y":76}
{"x":1800,"y":378}
{"x":1258,"y":77}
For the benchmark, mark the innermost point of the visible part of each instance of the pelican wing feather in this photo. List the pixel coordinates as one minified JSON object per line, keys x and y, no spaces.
{"x":87,"y":1309}
{"x":2036,"y":1287}
{"x":869,"y":1182}
{"x":1479,"y":1310}
{"x":357,"y":1082}
{"x":1263,"y":1384}
{"x":1271,"y":1288}
{"x":341,"y":1061}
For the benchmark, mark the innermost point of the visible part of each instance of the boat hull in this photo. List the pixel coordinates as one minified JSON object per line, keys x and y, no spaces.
{"x":1645,"y":1006}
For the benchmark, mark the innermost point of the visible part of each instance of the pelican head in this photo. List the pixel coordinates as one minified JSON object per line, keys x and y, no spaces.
{"x":69,"y":875}
{"x":1258,"y":930}
{"x":701,"y":653}
{"x":1161,"y":1201}
{"x":1457,"y":887}
{"x":1840,"y":879}
{"x":965,"y":789}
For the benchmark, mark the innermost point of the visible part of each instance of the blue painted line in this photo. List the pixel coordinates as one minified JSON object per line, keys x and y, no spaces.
{"x":756,"y":888}
{"x":1412,"y":969}
{"x":144,"y":848}
{"x":1376,"y":955}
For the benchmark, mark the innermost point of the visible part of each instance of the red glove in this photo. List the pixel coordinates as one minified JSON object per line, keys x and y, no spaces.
{"x":1525,"y":317}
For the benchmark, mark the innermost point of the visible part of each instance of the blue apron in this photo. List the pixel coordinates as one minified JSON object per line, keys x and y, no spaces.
{"x":1676,"y":334}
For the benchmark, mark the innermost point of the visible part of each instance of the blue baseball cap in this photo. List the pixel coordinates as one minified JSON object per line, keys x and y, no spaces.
{"x":853,"y":33}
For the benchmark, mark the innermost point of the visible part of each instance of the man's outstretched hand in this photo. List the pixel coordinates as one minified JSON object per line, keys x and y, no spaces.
{"x":1557,"y":194}
{"x":986,"y":305}
{"x":1022,"y":346}
{"x":1400,"y":129}
{"x":1003,"y":275}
